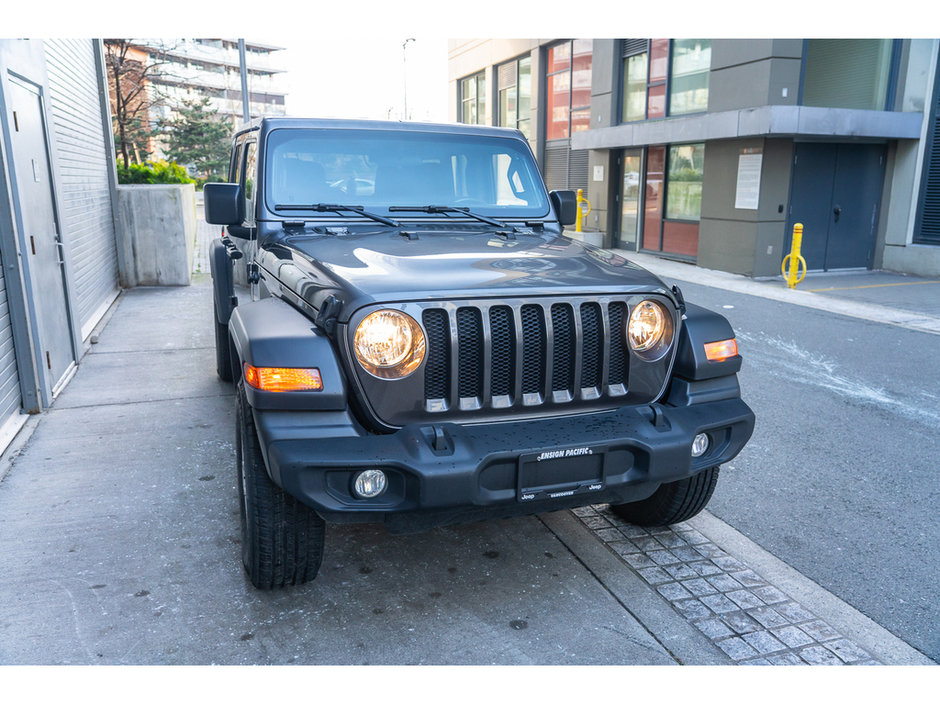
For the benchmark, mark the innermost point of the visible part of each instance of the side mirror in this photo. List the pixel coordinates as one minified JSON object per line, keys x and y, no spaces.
{"x":566,"y":206}
{"x":223,"y":204}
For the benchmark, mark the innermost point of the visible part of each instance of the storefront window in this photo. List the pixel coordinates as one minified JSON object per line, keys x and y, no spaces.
{"x":684,"y":182}
{"x":515,"y":94}
{"x":847,"y":73}
{"x":634,"y":90}
{"x":569,"y":88}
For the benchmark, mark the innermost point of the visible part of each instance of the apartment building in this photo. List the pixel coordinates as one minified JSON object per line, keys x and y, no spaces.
{"x":710,"y":151}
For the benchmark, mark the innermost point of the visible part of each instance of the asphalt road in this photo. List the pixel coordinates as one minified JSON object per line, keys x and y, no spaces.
{"x":840,"y":477}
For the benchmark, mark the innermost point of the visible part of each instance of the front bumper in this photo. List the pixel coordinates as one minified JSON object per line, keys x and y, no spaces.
{"x":446,"y":473}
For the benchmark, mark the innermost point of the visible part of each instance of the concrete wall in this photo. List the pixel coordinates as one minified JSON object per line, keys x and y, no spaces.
{"x":744,"y":241}
{"x":156,"y":233}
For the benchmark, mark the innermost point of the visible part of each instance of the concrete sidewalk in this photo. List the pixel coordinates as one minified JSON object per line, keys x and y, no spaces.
{"x":119,"y":544}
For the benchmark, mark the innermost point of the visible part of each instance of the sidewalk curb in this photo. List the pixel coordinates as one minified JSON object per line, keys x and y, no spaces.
{"x":745,"y":285}
{"x":851,"y":623}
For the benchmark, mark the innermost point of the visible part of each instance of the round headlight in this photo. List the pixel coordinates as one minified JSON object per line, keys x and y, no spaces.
{"x":649,"y":329}
{"x":389,"y":344}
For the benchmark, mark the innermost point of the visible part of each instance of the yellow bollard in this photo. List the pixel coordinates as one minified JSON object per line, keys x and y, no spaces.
{"x":581,"y":212}
{"x":795,"y":259}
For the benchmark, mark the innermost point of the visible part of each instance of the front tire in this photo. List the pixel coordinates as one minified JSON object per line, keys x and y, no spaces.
{"x":282,"y":538}
{"x":672,"y":502}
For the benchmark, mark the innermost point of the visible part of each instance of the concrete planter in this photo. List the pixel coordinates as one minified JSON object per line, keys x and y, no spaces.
{"x":156,"y":233}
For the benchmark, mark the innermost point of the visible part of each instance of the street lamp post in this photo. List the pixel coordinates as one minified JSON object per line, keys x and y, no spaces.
{"x":404,"y":61}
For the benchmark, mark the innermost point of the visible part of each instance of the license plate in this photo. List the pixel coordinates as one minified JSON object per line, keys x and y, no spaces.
{"x":561,"y":472}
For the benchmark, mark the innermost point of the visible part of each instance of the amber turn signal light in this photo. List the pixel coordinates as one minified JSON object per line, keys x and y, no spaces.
{"x":283,"y":379}
{"x":721,"y":350}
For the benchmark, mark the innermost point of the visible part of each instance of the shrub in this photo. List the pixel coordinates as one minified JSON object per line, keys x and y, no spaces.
{"x":158,"y":172}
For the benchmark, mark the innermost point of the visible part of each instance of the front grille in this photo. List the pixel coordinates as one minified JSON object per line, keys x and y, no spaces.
{"x":505,"y":355}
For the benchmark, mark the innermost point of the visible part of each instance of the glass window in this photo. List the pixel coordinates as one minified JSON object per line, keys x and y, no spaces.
{"x":378,"y":169}
{"x":473,"y":99}
{"x":251,"y":173}
{"x":634,"y":89}
{"x":684,"y":181}
{"x":568,"y":88}
{"x":847,"y":73}
{"x":688,"y":87}
{"x":515,"y":94}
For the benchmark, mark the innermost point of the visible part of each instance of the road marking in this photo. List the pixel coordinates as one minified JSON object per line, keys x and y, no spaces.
{"x":872,"y":286}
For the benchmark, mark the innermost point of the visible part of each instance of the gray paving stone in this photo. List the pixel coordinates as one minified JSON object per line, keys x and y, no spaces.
{"x":673,"y":592}
{"x":786,"y":659}
{"x":623,"y":547}
{"x":584,"y":511}
{"x":738,"y":649}
{"x":819,"y":630}
{"x":662,"y":557}
{"x":756,"y":662}
{"x":764,"y":642}
{"x":655,"y":576}
{"x":692,"y":609}
{"x":699,"y":587}
{"x":770,"y":594}
{"x":680,"y":571}
{"x":639,"y":560}
{"x":648,"y":544}
{"x":672,"y":540}
{"x":819,"y":656}
{"x":692,"y":537}
{"x":713,"y":628}
{"x":740,"y":622}
{"x":719,"y":603}
{"x":847,"y":651}
{"x":727,"y":563}
{"x":595,"y":522}
{"x":710,"y":550}
{"x":794,"y":637}
{"x":687,"y":554}
{"x":769,"y":617}
{"x":745,"y":599}
{"x":704,"y":568}
{"x":748,"y":578}
{"x":631,"y":531}
{"x":794,"y":612}
{"x":608,"y":535}
{"x":724,"y":583}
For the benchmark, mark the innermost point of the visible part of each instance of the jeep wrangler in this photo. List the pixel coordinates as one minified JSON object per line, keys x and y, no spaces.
{"x":414,"y":341}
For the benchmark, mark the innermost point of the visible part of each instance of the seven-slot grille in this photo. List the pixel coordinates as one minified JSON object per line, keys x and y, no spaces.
{"x":504,"y":355}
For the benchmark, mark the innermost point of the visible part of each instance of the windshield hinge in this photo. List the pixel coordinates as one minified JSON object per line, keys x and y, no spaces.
{"x":508,"y":234}
{"x":410,"y":234}
{"x":329,"y":310}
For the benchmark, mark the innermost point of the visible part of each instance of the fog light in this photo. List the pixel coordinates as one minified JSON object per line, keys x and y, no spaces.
{"x":699,"y":445}
{"x":370,"y":483}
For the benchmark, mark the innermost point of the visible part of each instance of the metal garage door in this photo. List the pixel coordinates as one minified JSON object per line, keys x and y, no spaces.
{"x":83,"y":161}
{"x":9,"y":375}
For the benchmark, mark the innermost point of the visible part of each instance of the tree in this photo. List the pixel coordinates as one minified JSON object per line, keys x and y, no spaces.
{"x":131,"y":71}
{"x":198,"y":138}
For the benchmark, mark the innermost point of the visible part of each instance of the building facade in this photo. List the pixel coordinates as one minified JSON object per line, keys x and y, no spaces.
{"x":59,"y":261}
{"x":710,"y":151}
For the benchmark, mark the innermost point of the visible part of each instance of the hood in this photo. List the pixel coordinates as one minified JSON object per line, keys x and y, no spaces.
{"x":386,"y":266}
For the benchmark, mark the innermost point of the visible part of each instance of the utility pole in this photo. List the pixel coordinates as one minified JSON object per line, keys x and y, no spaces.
{"x":246,"y":111}
{"x":404,"y":61}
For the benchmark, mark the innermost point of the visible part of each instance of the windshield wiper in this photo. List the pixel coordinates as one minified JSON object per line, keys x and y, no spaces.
{"x":336,"y":208}
{"x":451,"y":209}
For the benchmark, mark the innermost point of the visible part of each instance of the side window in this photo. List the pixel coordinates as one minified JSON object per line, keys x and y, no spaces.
{"x":248,"y":180}
{"x":234,"y":168}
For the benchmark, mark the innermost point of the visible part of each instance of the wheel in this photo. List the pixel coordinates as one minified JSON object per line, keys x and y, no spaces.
{"x":282,"y":538}
{"x":672,"y":502}
{"x":223,"y":361}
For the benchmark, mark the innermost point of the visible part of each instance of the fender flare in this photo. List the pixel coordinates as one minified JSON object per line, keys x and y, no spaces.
{"x":223,"y":281}
{"x":700,"y":326}
{"x":272,"y":333}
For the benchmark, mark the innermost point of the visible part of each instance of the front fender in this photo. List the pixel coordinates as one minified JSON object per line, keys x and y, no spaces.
{"x":272,"y":333}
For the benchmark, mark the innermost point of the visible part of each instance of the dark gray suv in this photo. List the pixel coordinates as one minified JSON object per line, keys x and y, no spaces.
{"x":415,"y":342}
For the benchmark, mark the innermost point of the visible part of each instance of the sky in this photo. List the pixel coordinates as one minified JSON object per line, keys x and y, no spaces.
{"x":365,"y":77}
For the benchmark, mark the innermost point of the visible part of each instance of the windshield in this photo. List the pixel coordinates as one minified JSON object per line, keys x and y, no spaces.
{"x":377,"y":169}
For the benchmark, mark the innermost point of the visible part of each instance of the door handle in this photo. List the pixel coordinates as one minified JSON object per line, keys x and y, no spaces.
{"x":837,"y":211}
